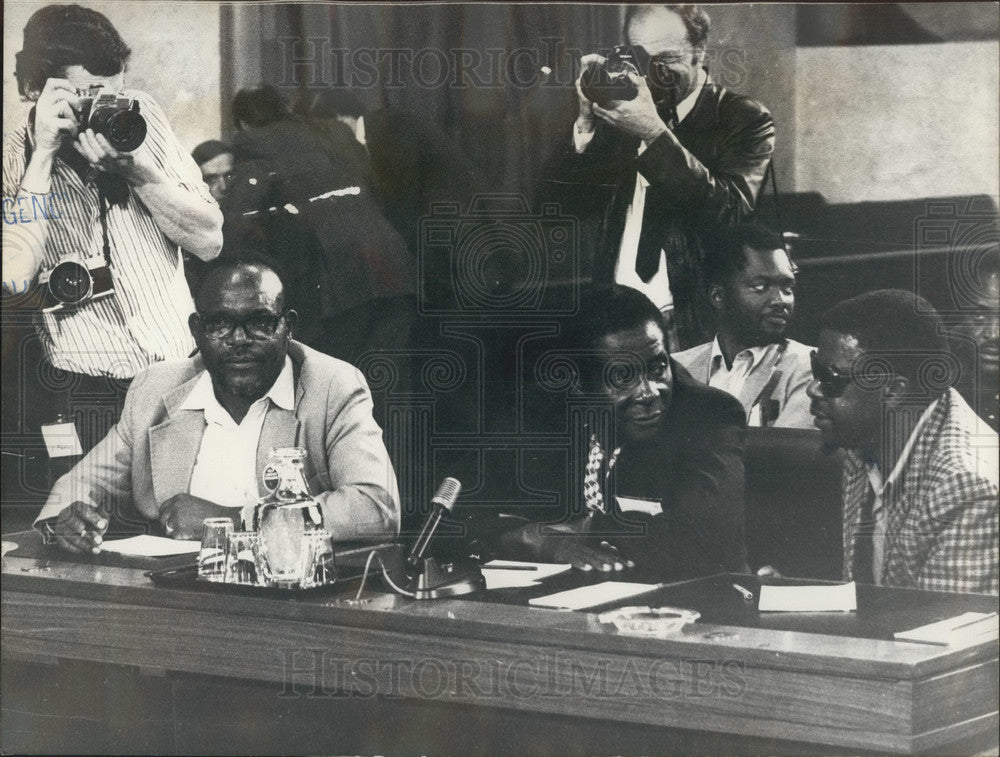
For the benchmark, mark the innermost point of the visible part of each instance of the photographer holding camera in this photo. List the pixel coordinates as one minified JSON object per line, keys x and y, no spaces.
{"x":660,"y":156}
{"x":109,"y":266}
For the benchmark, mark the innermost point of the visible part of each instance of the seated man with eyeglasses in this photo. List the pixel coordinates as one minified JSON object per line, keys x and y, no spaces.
{"x":919,"y":497}
{"x":194,"y":433}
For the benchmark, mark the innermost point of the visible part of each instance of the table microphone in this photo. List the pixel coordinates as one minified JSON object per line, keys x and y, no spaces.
{"x":442,"y":502}
{"x":426,"y":577}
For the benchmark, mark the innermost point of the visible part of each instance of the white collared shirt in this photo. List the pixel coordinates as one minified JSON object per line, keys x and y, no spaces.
{"x":658,"y":287}
{"x":880,"y":487}
{"x":225,"y":470}
{"x":732,"y":380}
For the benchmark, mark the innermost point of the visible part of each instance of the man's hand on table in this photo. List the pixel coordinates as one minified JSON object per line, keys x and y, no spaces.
{"x":563,"y":544}
{"x":80,"y":528}
{"x":183,"y":515}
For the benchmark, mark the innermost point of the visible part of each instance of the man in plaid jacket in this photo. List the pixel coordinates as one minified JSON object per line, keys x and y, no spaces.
{"x":920,"y":474}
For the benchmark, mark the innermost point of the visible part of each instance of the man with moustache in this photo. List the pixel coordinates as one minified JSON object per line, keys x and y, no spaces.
{"x":194,"y":434}
{"x":654,"y":174}
{"x":751,"y":285}
{"x":920,"y":470}
{"x":661,"y":481}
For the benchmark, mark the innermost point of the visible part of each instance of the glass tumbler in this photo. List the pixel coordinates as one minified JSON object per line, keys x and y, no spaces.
{"x":212,"y":555}
{"x":241,"y":558}
{"x":319,"y":565}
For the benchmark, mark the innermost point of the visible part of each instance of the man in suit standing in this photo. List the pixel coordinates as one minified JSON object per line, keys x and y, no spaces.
{"x":655,"y":173}
{"x":920,"y":470}
{"x":194,"y":434}
{"x":751,"y":285}
{"x":660,"y":481}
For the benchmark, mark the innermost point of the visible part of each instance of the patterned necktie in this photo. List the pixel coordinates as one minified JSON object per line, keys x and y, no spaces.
{"x":593,"y":494}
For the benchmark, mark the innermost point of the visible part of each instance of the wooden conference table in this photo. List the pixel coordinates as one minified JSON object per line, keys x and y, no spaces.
{"x":99,"y":659}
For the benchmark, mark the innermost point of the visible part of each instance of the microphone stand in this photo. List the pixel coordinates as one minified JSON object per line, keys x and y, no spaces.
{"x":426,"y":577}
{"x":433,"y":580}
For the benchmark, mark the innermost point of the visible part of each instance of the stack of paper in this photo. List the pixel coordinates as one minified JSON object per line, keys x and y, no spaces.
{"x":504,"y":574}
{"x":839,"y":598}
{"x":151,"y":546}
{"x":593,"y":596}
{"x":968,"y":627}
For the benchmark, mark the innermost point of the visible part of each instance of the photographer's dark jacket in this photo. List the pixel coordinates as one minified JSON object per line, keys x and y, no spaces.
{"x":704,"y":178}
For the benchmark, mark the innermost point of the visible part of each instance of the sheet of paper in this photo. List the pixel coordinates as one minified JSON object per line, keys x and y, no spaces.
{"x":592,"y":596}
{"x":969,"y":626}
{"x":151,"y":546}
{"x":505,"y":574}
{"x":840,"y":598}
{"x":633,"y":505}
{"x":504,"y":579}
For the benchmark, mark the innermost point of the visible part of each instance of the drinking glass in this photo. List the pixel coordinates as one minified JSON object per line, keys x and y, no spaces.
{"x":212,"y":555}
{"x":319,"y":565}
{"x":241,"y":558}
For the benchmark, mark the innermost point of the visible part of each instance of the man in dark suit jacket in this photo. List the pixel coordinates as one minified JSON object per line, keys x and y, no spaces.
{"x":656,"y":173}
{"x":410,"y":163}
{"x":352,"y":276}
{"x":659,"y":481}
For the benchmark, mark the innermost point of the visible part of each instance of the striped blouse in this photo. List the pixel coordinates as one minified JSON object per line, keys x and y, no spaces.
{"x":145,"y":321}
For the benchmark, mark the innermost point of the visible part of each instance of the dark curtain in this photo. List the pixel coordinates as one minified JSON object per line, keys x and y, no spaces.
{"x":473,"y":70}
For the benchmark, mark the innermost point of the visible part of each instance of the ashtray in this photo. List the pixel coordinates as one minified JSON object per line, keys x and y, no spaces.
{"x":649,"y":621}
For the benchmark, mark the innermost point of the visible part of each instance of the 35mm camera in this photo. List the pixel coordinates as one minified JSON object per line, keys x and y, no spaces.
{"x":74,"y":281}
{"x":113,"y":114}
{"x":603,"y":84}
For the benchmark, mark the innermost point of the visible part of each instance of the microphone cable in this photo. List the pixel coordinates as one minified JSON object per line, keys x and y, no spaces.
{"x":385,"y":574}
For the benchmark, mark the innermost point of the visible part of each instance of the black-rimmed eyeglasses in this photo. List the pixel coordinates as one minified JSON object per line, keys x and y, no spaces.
{"x":255,"y":325}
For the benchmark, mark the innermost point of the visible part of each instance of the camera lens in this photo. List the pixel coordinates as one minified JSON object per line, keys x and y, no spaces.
{"x":70,"y":282}
{"x":125,"y":130}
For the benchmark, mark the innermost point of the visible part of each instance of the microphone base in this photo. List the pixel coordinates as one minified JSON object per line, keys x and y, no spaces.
{"x":436,"y":580}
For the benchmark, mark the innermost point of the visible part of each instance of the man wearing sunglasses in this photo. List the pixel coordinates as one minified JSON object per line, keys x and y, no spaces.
{"x":655,"y":173}
{"x":194,"y":433}
{"x":920,"y":470}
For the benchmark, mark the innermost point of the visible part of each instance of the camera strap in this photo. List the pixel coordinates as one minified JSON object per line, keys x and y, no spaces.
{"x":102,"y":202}
{"x":73,"y":160}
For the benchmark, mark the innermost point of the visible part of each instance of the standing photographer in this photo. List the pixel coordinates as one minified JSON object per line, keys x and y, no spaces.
{"x":657,"y":168}
{"x":129,"y":198}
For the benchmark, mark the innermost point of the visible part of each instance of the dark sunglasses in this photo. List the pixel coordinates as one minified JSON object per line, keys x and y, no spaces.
{"x":831,"y":381}
{"x":255,"y":326}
